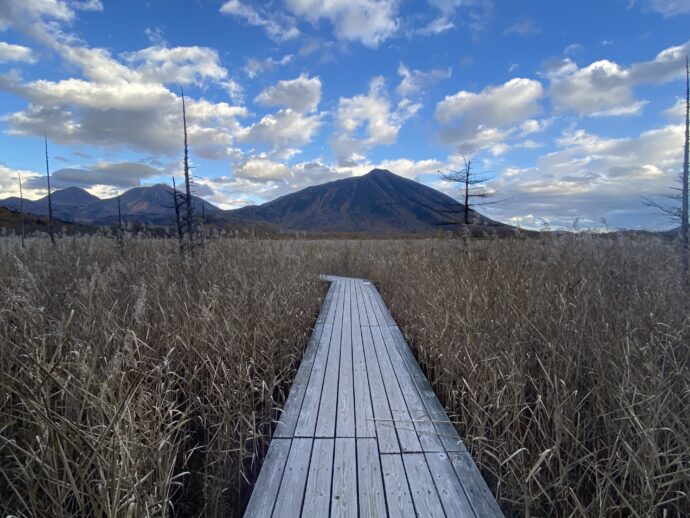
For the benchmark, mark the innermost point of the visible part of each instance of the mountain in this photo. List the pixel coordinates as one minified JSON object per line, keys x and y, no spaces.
{"x":152,"y":205}
{"x":379,"y":202}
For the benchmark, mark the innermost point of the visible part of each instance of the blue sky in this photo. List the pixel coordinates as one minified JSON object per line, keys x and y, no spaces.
{"x":573,"y":109}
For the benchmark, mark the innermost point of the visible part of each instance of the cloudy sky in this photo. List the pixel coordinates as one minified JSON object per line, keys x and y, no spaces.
{"x":574,"y":109}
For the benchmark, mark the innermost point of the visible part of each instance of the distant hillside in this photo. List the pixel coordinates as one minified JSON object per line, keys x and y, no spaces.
{"x":10,"y":221}
{"x":379,"y":202}
{"x":147,"y":205}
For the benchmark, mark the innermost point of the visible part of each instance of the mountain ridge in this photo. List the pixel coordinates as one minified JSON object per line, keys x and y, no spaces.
{"x":379,"y":203}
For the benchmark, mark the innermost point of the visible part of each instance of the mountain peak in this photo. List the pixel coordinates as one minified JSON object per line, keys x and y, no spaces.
{"x":380,"y":172}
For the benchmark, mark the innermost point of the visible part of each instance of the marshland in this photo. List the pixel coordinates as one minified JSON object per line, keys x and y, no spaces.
{"x":138,"y":381}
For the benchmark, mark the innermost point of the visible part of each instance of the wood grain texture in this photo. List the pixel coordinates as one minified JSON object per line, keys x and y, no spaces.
{"x":289,"y":500}
{"x":344,"y":490}
{"x":317,"y":497}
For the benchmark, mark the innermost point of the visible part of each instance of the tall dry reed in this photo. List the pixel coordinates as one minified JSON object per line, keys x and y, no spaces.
{"x":134,"y":382}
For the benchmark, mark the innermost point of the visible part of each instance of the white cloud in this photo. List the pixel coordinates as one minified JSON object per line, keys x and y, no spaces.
{"x":605,"y":87}
{"x":17,"y":53}
{"x":284,"y":129}
{"x":277,"y":27}
{"x":370,"y":22}
{"x":255,"y":66}
{"x":669,"y":8}
{"x":474,"y":121}
{"x":594,"y":177}
{"x":184,"y":65}
{"x":415,"y":81}
{"x":9,"y":182}
{"x":523,"y":27}
{"x":511,"y":102}
{"x":364,"y":121}
{"x":301,"y":94}
{"x":260,"y":169}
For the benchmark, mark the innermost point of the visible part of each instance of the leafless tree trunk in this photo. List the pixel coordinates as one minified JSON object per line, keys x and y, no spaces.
{"x":178,"y":220}
{"x":119,"y":221}
{"x":685,"y":223}
{"x":50,"y":198}
{"x":21,"y":205}
{"x":188,"y":190}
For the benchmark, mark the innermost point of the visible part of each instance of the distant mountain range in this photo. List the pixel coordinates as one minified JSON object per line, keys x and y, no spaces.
{"x":377,"y":203}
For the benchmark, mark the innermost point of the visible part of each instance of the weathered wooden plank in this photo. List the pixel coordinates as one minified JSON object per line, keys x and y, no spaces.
{"x":386,"y":318}
{"x":370,"y":480}
{"x":325,"y":425}
{"x":446,"y":431}
{"x":364,"y":413}
{"x":327,"y":305}
{"x":450,"y":491}
{"x":401,"y":416}
{"x":478,"y":493}
{"x":376,"y":316}
{"x":344,"y":490}
{"x":291,"y":411}
{"x":289,"y":500}
{"x":385,"y":431}
{"x":317,"y":497}
{"x":306,"y":423}
{"x":345,"y":422}
{"x":422,"y":421}
{"x":267,"y":485}
{"x":397,"y":489}
{"x":422,"y":488}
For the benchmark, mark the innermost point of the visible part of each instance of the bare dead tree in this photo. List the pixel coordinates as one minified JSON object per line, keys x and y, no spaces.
{"x":177,"y":204}
{"x":188,"y":190}
{"x":21,"y":205}
{"x":50,"y":198}
{"x":120,"y":232}
{"x":474,"y":188}
{"x":685,"y":222}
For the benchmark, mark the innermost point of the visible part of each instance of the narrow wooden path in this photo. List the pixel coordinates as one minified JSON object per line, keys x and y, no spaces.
{"x":362,"y":432}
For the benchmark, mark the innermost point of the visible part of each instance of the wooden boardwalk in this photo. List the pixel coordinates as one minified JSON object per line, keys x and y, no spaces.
{"x":362,"y":432}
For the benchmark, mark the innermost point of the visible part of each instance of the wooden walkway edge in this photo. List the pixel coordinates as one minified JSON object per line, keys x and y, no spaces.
{"x":362,"y":432}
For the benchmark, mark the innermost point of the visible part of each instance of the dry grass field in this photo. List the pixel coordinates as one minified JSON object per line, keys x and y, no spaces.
{"x":135,"y":382}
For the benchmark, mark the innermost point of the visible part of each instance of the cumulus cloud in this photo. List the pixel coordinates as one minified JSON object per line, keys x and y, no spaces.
{"x":370,"y":22}
{"x":301,"y":94}
{"x":15,"y":53}
{"x":9,"y":182}
{"x":415,"y":81}
{"x":368,"y":120}
{"x":284,"y":129}
{"x":118,"y":102}
{"x":277,"y":27}
{"x":473,"y":121}
{"x":185,"y":65}
{"x":605,"y":87}
{"x":593,"y":176}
